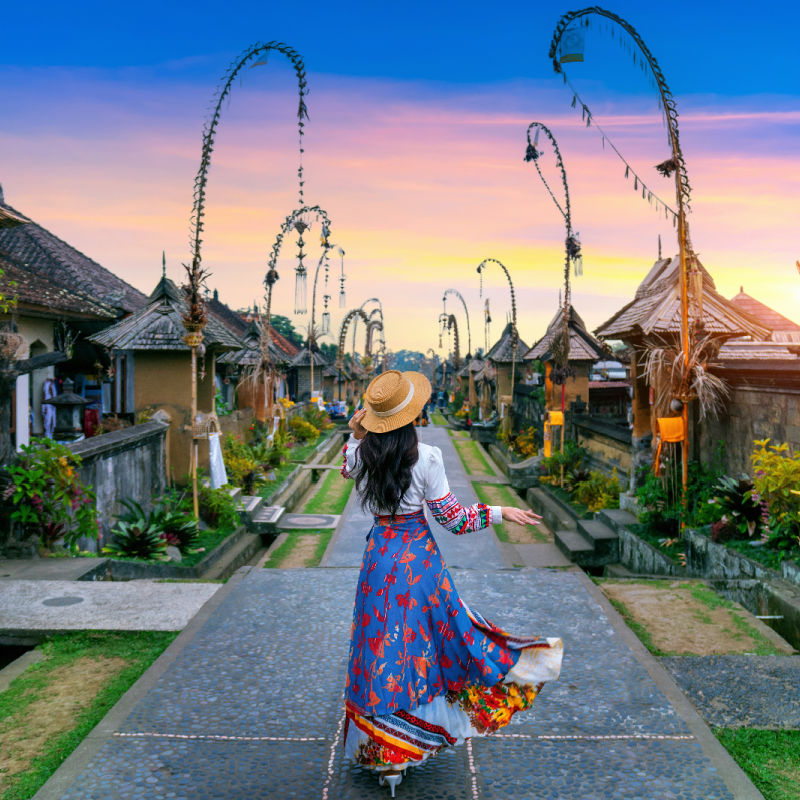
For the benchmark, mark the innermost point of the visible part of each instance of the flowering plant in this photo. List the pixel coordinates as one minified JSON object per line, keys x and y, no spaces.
{"x":48,"y":497}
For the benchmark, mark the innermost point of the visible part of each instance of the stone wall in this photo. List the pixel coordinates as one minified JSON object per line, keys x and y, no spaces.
{"x":751,"y":413}
{"x":129,"y":463}
{"x":609,"y":445}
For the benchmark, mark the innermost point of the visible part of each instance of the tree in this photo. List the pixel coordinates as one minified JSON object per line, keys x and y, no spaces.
{"x":330,"y":351}
{"x":285,"y":327}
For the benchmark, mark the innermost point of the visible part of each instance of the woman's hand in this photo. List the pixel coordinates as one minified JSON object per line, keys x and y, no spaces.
{"x":520,"y":515}
{"x":359,"y":431}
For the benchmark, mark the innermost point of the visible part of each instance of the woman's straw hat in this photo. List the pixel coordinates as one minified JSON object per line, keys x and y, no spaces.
{"x":394,"y":399}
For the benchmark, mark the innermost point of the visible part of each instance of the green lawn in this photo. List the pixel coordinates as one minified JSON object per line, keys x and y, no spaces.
{"x":331,"y":496}
{"x":771,"y":759}
{"x":34,"y":738}
{"x":438,"y":419}
{"x":472,"y":457}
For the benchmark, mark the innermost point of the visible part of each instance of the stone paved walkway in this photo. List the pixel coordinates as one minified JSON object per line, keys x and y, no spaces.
{"x":247,"y":702}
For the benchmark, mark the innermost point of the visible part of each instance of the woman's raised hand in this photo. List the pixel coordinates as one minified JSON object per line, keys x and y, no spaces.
{"x":521,"y":516}
{"x":359,"y":431}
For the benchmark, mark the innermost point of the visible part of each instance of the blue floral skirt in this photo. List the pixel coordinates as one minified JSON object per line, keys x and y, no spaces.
{"x":425,"y":671}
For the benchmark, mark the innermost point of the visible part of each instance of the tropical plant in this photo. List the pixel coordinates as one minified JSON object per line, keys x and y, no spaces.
{"x":220,"y":406}
{"x":572,"y":458}
{"x":318,"y":418}
{"x":525,"y":443}
{"x":48,"y":498}
{"x":776,"y":485}
{"x":217,"y":508}
{"x":738,"y":513}
{"x":172,"y":513}
{"x":598,"y":491}
{"x":137,"y":534}
{"x":240,"y":464}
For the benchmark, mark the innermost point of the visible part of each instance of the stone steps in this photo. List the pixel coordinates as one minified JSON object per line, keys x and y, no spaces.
{"x":604,"y":541}
{"x":574,"y":547}
{"x":555,"y":516}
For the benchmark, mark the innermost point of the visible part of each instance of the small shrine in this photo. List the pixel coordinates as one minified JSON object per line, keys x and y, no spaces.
{"x":584,"y":351}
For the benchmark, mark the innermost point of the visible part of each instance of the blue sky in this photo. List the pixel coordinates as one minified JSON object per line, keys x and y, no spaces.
{"x":724,"y":48}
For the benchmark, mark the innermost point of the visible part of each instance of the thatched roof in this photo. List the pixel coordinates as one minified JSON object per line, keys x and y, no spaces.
{"x":39,"y":296}
{"x":159,"y":325}
{"x":781,"y":329}
{"x":303,"y":359}
{"x":46,"y":256}
{"x":656,"y":308}
{"x":249,"y":354}
{"x":582,"y":345}
{"x":500,"y":352}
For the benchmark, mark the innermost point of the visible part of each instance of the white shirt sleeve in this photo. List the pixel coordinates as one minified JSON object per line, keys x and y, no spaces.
{"x":350,"y":453}
{"x":446,"y":509}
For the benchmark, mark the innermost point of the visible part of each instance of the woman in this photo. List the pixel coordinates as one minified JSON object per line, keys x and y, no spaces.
{"x":425,"y":672}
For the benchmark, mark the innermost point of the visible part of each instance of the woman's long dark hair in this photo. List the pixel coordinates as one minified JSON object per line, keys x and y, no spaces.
{"x":384,"y":469}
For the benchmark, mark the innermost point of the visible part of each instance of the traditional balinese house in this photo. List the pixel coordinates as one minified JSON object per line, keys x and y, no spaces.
{"x":236,"y":368}
{"x":158,"y":375}
{"x":301,"y":367}
{"x":502,"y":355}
{"x":63,"y":297}
{"x":653,"y":320}
{"x":486,"y":390}
{"x":584,"y":351}
{"x":781,"y":329}
{"x":763,"y":378}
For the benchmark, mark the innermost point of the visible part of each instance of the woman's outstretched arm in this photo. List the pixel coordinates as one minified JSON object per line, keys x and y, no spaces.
{"x":458,"y":519}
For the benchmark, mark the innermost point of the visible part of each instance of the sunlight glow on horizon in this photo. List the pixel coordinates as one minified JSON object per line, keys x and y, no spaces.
{"x":419,"y":193}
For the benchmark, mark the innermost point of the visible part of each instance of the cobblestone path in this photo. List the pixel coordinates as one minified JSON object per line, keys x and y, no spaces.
{"x":247,"y":703}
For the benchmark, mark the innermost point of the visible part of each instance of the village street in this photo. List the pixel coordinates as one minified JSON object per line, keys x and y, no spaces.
{"x":247,"y":702}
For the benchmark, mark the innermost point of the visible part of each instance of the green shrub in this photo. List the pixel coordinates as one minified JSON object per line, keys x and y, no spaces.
{"x":217,"y":508}
{"x":241,"y":466}
{"x":303,"y":430}
{"x":776,"y":485}
{"x":49,"y":501}
{"x":318,"y":418}
{"x":598,"y":491}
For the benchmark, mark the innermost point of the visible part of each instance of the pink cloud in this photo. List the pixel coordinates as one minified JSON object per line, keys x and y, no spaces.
{"x":420,"y":189}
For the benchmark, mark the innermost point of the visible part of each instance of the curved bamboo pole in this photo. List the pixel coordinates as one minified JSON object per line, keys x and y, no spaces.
{"x":514,"y":332}
{"x":195,"y":319}
{"x":676,"y":164}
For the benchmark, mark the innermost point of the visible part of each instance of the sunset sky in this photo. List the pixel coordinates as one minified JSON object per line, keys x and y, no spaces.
{"x":414,"y":146}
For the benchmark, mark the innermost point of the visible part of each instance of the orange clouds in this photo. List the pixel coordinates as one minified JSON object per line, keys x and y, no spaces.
{"x":420,"y":185}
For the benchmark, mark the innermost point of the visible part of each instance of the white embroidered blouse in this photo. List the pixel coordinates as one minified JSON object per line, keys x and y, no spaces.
{"x":429,"y":484}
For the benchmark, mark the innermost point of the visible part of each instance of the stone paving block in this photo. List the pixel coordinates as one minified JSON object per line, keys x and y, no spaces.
{"x":746,"y":691}
{"x":174,"y":769}
{"x":445,"y":777}
{"x":595,"y":770}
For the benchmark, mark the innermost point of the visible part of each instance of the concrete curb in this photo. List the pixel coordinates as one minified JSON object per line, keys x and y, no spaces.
{"x":730,"y":772}
{"x":65,"y":776}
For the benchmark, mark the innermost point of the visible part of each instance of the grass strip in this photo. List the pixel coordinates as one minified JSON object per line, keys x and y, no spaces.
{"x":469,"y":450}
{"x":139,"y":649}
{"x":282,"y":553}
{"x":331,"y":495}
{"x":502,"y":495}
{"x":771,"y":759}
{"x":438,"y":419}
